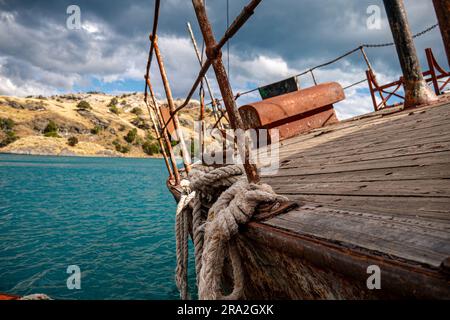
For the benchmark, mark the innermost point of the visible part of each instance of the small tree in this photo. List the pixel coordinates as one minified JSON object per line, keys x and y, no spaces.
{"x":114,"y":109}
{"x":137,"y":111}
{"x":131,"y":135}
{"x":96,"y":129}
{"x":113,"y":102}
{"x":120,"y":148}
{"x":72,"y":141}
{"x":6,"y":124}
{"x":151,"y":147}
{"x":83,"y":105}
{"x":10,"y":138}
{"x":51,"y":130}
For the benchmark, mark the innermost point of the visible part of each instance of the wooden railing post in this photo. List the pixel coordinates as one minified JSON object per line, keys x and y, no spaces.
{"x":214,"y":53}
{"x":184,"y":152}
{"x":416,"y":90}
{"x":164,"y":134}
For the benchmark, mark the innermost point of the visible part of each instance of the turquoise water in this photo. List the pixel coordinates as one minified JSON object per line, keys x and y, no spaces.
{"x":114,"y":218}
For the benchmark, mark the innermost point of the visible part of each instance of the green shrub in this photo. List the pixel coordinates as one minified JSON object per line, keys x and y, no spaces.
{"x":51,"y":127}
{"x":84,"y":105}
{"x":114,"y":109}
{"x":125,"y":149}
{"x":113,"y":102}
{"x":151,"y":147}
{"x":51,"y":130}
{"x":120,"y":148}
{"x":140,"y":123}
{"x":52,"y":134}
{"x":72,"y":141}
{"x":139,"y":141}
{"x":6,"y":124}
{"x":131,"y":135}
{"x":137,"y":111}
{"x":96,"y":129}
{"x":10,"y":138}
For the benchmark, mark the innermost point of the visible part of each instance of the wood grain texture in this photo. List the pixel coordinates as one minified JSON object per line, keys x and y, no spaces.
{"x":380,"y":183}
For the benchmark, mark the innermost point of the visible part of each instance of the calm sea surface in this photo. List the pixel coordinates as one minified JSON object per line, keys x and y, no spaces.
{"x":114,"y":218}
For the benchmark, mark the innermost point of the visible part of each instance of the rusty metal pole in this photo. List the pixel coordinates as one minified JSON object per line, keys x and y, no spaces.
{"x":176,"y":122}
{"x":215,"y":54}
{"x":202,"y":119}
{"x":208,"y":85}
{"x":164,"y":134}
{"x":442,"y":8}
{"x":416,"y":90}
{"x":159,"y":138}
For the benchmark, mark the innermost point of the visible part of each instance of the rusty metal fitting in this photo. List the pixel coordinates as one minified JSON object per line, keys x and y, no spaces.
{"x":213,"y":53}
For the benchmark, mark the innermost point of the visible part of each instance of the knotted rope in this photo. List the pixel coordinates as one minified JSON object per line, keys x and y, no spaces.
{"x":181,"y":232}
{"x":214,"y":236}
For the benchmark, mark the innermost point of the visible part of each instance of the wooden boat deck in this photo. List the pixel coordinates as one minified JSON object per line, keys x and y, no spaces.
{"x":373,"y":190}
{"x":380,"y":183}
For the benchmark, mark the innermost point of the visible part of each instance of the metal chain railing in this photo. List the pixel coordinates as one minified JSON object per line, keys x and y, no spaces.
{"x":240,"y":94}
{"x":389,"y":44}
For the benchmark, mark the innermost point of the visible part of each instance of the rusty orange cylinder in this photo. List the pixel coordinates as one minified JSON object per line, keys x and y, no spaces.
{"x":296,"y":112}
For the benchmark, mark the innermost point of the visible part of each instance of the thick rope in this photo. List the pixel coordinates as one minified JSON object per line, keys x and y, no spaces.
{"x":214,"y":238}
{"x":181,"y":232}
{"x":234,"y":207}
{"x":204,"y":180}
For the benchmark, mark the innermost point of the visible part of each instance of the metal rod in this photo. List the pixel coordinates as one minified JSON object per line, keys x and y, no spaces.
{"x":313,"y":77}
{"x":202,"y":119}
{"x":208,"y":85}
{"x":416,"y":90}
{"x":372,"y":94}
{"x":159,"y":138}
{"x":164,"y":133}
{"x":432,"y":71}
{"x":214,"y":54}
{"x":366,"y":59}
{"x":176,"y":122}
{"x":369,"y":66}
{"x":442,"y":8}
{"x":150,"y":53}
{"x":246,"y":13}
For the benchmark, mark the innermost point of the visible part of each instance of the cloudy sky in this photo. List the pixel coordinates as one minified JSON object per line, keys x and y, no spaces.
{"x":40,"y":55}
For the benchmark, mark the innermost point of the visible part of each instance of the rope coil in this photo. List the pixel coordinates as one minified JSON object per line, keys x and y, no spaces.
{"x":214,"y":235}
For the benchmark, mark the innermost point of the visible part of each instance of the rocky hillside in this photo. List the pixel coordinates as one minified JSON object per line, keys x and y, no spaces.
{"x":93,"y":124}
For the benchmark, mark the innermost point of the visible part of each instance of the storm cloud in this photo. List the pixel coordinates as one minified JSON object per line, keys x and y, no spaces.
{"x":39,"y":55}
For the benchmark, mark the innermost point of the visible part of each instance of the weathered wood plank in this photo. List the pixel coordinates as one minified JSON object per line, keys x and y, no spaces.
{"x":341,"y":146}
{"x":426,"y":208}
{"x":364,"y":141}
{"x":418,"y":188}
{"x":372,"y":130}
{"x":350,"y":148}
{"x":434,"y":171}
{"x":352,"y":228}
{"x":401,"y":161}
{"x":383,"y":153}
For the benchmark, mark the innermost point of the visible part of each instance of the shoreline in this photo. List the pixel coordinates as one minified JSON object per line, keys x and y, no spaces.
{"x":79,"y":156}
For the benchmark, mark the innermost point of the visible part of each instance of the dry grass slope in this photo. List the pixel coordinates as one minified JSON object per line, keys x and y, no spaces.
{"x":98,"y":128}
